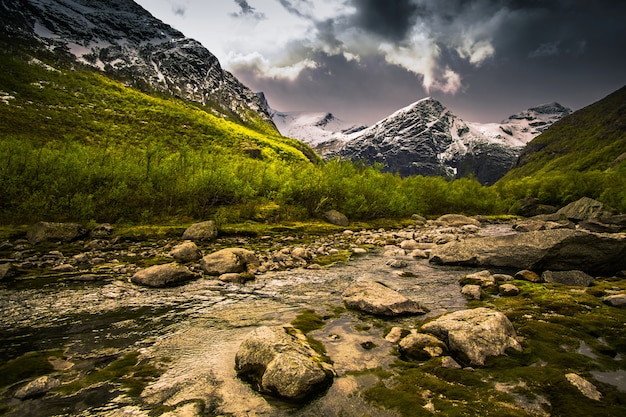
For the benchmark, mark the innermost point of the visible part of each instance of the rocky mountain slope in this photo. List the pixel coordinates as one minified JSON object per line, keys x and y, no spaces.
{"x":593,"y":138}
{"x":125,"y":41}
{"x":424,"y":138}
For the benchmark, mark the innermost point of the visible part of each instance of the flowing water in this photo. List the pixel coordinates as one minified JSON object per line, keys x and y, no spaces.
{"x":193,"y":332}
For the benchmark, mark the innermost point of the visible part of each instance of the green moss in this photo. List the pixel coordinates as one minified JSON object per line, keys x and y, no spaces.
{"x":126,"y":371}
{"x":341,"y":256}
{"x":29,"y":365}
{"x":307,"y":321}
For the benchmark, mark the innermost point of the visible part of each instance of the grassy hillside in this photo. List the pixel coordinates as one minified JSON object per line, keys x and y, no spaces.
{"x":78,"y":146}
{"x":577,"y":156}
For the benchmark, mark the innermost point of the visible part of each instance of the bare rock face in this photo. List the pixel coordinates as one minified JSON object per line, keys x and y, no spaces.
{"x":584,"y":209}
{"x":474,"y":335}
{"x":557,"y":250}
{"x":47,"y":231}
{"x":201,"y":231}
{"x":229,"y":260}
{"x":279,"y":361}
{"x":375,"y":298}
{"x":163,"y":275}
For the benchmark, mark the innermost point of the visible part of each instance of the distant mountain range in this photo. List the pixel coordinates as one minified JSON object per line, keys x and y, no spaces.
{"x":126,"y":42}
{"x":424,"y":138}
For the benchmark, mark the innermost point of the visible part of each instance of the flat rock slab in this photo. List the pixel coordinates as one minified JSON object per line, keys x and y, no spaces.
{"x":474,"y":335}
{"x":557,"y":250}
{"x":375,"y":298}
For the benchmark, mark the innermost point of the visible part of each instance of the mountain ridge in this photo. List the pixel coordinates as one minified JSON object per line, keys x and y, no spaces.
{"x":123,"y":40}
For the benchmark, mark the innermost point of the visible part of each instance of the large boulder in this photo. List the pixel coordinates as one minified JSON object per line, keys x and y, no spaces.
{"x":573,"y":278}
{"x":336,"y":218}
{"x":557,"y":250}
{"x":279,"y":361}
{"x":47,"y":231}
{"x":375,"y":298}
{"x":186,"y":252}
{"x":229,"y":260}
{"x":201,"y":231}
{"x":584,"y":209}
{"x":474,"y":335}
{"x":163,"y":275}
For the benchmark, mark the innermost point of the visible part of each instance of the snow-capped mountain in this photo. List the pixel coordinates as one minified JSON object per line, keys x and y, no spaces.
{"x":122,"y":39}
{"x":521,"y":128}
{"x":425,"y":138}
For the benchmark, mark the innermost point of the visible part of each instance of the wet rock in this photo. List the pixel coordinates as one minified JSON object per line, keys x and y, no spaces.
{"x":394,"y":335}
{"x":509,"y":290}
{"x":375,"y":298}
{"x":236,"y":278}
{"x":457,"y":220}
{"x":47,"y":231}
{"x":229,"y":260}
{"x":527,"y":275}
{"x":583,"y":209}
{"x":186,"y":252}
{"x":64,"y":268}
{"x":396,"y":263}
{"x":610,"y":224}
{"x":585,"y":387}
{"x":482,"y":279}
{"x":37,"y":387}
{"x":474,"y":335}
{"x":336,"y":218}
{"x":301,"y":253}
{"x":203,"y":231}
{"x":617,"y":300}
{"x":81,"y":259}
{"x":421,"y":347}
{"x":163,"y":275}
{"x":410,"y":244}
{"x":359,"y":251}
{"x":561,"y":249}
{"x":574,"y":278}
{"x":473,"y":292}
{"x":279,"y":361}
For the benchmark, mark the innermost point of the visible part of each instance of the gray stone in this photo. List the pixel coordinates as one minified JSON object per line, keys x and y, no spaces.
{"x":482,"y":278}
{"x":46,"y":232}
{"x":336,"y":218}
{"x":229,"y":260}
{"x":419,"y":254}
{"x":560,"y":249}
{"x":6,"y":271}
{"x":375,"y":298}
{"x":201,"y":231}
{"x":584,"y":209}
{"x":473,"y":292}
{"x":163,"y":275}
{"x":186,"y":252}
{"x":396,"y":263}
{"x":585,"y":387}
{"x":617,"y":300}
{"x":527,"y":275}
{"x":474,"y":335}
{"x":279,"y":361}
{"x":574,"y":278}
{"x":449,"y":363}
{"x":457,"y":220}
{"x":421,"y":347}
{"x":37,"y":387}
{"x":509,"y":290}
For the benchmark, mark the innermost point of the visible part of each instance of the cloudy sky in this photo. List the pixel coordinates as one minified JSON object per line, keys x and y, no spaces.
{"x":364,"y":59}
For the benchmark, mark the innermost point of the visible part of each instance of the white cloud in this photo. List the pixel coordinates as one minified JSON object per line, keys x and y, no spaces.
{"x":475,"y":52}
{"x":257,"y":63}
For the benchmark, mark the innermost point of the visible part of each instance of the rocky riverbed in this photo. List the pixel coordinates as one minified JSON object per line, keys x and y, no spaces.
{"x":81,"y":338}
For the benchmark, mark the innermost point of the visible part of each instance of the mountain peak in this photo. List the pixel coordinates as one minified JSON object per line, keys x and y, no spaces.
{"x":125,"y":41}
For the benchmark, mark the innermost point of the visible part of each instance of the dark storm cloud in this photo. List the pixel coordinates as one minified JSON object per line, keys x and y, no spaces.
{"x":247,"y":11}
{"x":392,"y":21}
{"x":480,"y":57}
